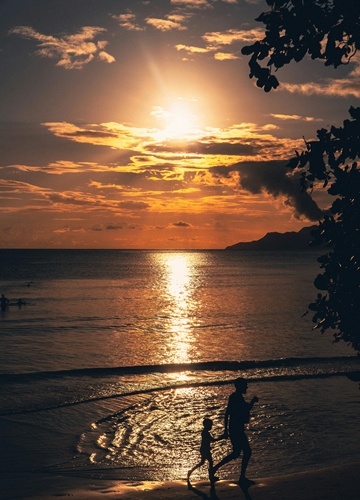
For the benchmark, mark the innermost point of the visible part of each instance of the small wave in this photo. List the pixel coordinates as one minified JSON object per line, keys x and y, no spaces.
{"x":335,"y":363}
{"x":354,"y":375}
{"x":214,"y":325}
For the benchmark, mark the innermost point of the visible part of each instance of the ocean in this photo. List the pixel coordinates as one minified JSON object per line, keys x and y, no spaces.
{"x":110,"y":366}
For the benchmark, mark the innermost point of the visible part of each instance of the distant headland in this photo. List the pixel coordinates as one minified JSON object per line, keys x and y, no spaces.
{"x":279,"y":241}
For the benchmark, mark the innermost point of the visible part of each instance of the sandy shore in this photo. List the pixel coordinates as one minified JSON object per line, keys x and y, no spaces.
{"x":324,"y":484}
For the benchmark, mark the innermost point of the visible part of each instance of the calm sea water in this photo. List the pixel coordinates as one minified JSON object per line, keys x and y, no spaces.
{"x":116,"y":357}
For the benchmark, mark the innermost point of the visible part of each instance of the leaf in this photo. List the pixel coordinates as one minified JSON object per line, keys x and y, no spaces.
{"x":321,"y":283}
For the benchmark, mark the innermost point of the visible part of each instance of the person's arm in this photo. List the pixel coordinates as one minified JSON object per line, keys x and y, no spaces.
{"x":213,"y":440}
{"x":254,"y":400}
{"x":226,"y":422}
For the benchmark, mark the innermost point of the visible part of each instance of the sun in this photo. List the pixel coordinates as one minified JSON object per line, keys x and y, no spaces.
{"x":179,"y":119}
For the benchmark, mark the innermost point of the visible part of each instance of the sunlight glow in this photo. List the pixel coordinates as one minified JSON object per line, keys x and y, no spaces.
{"x":178,"y":276}
{"x":179,"y":288}
{"x":179,"y":120}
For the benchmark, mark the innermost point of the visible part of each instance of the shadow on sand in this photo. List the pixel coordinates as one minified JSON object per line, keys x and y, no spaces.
{"x":246,"y":492}
{"x":213,"y":494}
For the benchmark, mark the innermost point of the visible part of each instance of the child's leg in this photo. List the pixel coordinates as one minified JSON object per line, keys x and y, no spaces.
{"x":211,"y":466}
{"x":196,"y":467}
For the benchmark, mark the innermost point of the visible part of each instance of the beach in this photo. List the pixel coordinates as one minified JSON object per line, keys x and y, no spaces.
{"x":105,"y":377}
{"x":329,"y":483}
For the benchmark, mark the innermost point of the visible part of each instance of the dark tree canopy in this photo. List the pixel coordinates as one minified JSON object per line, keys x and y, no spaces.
{"x":324,"y":29}
{"x":329,"y":30}
{"x":333,"y":160}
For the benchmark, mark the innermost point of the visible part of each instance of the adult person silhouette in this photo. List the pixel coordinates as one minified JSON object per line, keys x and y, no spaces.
{"x":4,"y":302}
{"x":236,"y":416}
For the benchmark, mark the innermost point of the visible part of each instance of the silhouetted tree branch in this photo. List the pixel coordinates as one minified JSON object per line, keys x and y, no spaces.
{"x":333,"y":160}
{"x":324,"y":29}
{"x":329,"y":30}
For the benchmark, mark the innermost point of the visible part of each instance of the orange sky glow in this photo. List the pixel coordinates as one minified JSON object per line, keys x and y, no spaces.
{"x":134,"y":124}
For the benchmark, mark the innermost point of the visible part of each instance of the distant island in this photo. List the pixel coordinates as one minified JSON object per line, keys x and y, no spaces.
{"x":279,"y":241}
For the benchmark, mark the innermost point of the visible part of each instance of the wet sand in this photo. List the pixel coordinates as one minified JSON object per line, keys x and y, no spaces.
{"x":324,"y":484}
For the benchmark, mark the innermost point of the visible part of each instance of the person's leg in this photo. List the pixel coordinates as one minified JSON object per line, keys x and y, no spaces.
{"x":211,"y":466}
{"x":247,"y":452}
{"x":245,"y":461}
{"x":232,"y":456}
{"x":196,"y":467}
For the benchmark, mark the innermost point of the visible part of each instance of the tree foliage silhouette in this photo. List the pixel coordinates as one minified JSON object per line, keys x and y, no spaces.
{"x":324,"y":29}
{"x":332,"y":160}
{"x":329,"y":30}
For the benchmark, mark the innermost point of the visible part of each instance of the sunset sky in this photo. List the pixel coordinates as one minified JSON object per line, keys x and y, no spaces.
{"x":134,"y":124}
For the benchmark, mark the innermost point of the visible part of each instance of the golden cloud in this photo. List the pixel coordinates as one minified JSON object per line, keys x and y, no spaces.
{"x":164,"y":24}
{"x":13,"y":186}
{"x":199,"y":148}
{"x":190,"y":49}
{"x":330,"y":88}
{"x":225,"y":56}
{"x":280,"y":116}
{"x":127,"y":21}
{"x":73,"y":51}
{"x":219,"y":38}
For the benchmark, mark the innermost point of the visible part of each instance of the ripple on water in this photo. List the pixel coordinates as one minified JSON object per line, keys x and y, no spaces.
{"x":292,"y":429}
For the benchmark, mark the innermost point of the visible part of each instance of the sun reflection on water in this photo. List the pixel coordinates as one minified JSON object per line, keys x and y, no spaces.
{"x":178,"y":277}
{"x":160,"y":435}
{"x":179,"y":287}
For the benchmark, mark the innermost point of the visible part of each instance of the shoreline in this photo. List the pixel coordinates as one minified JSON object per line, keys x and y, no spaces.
{"x":331,"y":483}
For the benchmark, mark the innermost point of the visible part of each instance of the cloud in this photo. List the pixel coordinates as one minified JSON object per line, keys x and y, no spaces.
{"x":73,"y":51}
{"x":95,"y":134}
{"x":104,"y":56}
{"x":181,"y":224}
{"x":172,"y":21}
{"x":83,"y":198}
{"x":14,"y":186}
{"x":215,"y":40}
{"x":190,"y":49}
{"x":225,"y":56}
{"x":68,"y":229}
{"x":127,"y":21}
{"x":110,"y":134}
{"x":280,"y":116}
{"x":194,"y":4}
{"x":21,"y":196}
{"x":219,"y":38}
{"x":209,"y":148}
{"x":113,"y":227}
{"x":330,"y":88}
{"x":219,"y":56}
{"x":164,"y":24}
{"x":144,"y":149}
{"x":160,"y":113}
{"x":273,"y":178}
{"x":133,"y":205}
{"x":64,"y":229}
{"x":40,"y":148}
{"x":178,"y":17}
{"x":71,"y":199}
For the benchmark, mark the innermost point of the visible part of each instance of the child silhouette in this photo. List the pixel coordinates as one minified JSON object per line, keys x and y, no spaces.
{"x":205,"y":451}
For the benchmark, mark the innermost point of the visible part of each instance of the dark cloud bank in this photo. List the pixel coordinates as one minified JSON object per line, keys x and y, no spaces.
{"x":273,"y":178}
